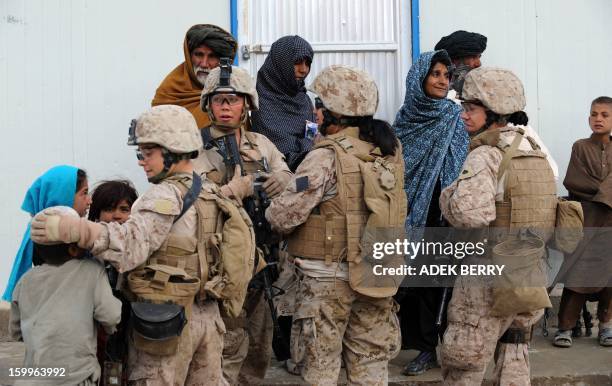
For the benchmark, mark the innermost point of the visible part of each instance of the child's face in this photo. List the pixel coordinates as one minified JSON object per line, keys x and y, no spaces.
{"x":600,"y":119}
{"x":119,"y":214}
{"x":82,"y":200}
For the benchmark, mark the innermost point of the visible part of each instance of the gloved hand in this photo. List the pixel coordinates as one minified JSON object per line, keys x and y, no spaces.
{"x":239,"y":187}
{"x":54,"y":227}
{"x":275,"y":183}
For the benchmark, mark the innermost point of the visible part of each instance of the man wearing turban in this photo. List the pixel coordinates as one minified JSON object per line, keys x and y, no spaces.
{"x":464,"y":49}
{"x":204,"y":46}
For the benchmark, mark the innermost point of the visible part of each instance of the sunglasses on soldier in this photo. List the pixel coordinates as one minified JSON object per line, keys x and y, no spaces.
{"x":145,"y":152}
{"x":220,"y":99}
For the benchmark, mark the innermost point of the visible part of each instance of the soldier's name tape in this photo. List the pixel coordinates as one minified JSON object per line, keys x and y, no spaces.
{"x":33,"y":372}
{"x":440,"y":270}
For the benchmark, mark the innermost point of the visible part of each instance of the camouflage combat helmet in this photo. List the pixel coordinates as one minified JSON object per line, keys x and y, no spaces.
{"x":497,"y":89}
{"x":346,"y":90}
{"x":169,"y":126}
{"x":240,"y":83}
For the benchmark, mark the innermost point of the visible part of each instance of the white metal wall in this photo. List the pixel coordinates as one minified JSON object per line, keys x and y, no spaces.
{"x":561,"y":49}
{"x":368,"y":34}
{"x":73,"y":73}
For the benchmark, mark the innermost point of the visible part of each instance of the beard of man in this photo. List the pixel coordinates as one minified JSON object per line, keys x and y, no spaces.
{"x":201,"y":74}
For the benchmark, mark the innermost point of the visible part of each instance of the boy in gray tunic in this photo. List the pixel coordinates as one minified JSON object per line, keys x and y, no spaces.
{"x":53,"y":312}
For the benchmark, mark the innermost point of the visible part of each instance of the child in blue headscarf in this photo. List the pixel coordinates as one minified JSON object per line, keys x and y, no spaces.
{"x":61,"y":185}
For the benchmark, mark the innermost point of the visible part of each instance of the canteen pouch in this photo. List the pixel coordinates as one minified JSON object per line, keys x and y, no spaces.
{"x":522,"y":285}
{"x":157,"y":327}
{"x":165,"y":296}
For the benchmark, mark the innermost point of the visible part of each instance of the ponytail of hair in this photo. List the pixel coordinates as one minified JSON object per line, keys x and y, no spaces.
{"x":518,"y":118}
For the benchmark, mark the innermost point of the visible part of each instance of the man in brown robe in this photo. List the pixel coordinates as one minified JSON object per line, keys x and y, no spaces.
{"x":204,"y":46}
{"x":587,"y":273}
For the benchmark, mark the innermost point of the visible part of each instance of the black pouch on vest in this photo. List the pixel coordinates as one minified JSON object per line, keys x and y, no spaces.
{"x":157,"y":327}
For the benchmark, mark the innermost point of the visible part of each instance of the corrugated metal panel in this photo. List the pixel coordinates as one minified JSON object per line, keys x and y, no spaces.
{"x":362,"y":33}
{"x":73,"y":73}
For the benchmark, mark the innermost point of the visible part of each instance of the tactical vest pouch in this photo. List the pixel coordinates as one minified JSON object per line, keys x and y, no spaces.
{"x":161,"y":285}
{"x":234,"y":250}
{"x":178,"y":251}
{"x":225,"y":249}
{"x":157,"y":327}
{"x":522,"y":285}
{"x":568,"y":227}
{"x":386,"y":201}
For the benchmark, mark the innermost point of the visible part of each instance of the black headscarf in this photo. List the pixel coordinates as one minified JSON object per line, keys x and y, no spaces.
{"x":460,"y":44}
{"x":284,"y":106}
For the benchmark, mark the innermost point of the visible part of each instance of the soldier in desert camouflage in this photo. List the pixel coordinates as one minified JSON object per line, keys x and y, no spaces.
{"x":333,"y":318}
{"x":248,"y":342}
{"x":492,"y":99}
{"x":160,"y":233}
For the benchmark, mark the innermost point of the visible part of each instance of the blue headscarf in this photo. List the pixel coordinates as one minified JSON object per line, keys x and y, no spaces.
{"x":56,"y":187}
{"x":433,"y":138}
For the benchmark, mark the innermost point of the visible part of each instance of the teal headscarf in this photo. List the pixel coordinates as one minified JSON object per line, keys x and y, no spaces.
{"x":56,"y":187}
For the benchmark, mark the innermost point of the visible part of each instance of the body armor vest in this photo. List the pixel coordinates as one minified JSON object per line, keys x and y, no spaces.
{"x":335,"y":232}
{"x":530,"y":192}
{"x":192,"y":253}
{"x":370,"y":200}
{"x":527,"y":209}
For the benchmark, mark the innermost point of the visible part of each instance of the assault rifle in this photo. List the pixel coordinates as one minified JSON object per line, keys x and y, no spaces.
{"x":266,"y":240}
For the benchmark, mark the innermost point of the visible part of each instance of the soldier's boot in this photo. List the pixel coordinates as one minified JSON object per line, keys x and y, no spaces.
{"x":424,"y":361}
{"x":512,"y":364}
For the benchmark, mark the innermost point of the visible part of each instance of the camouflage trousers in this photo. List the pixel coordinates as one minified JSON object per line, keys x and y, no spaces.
{"x":247,"y":347}
{"x":197,"y":361}
{"x":471,"y":339}
{"x":332,"y":321}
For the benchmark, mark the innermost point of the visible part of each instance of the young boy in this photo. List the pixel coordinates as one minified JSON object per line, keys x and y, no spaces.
{"x":53,"y":311}
{"x":587,"y":272}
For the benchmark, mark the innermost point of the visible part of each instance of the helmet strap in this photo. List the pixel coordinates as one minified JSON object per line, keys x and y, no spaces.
{"x":492,"y":117}
{"x":169,"y":160}
{"x":328,"y":120}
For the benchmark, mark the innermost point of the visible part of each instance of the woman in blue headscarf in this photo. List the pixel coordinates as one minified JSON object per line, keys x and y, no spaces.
{"x":60,"y":185}
{"x":435,"y":144}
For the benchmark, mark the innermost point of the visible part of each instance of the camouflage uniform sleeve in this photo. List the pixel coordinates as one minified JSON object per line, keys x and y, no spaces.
{"x":469,"y":202}
{"x":315,"y":176}
{"x":128,"y":245}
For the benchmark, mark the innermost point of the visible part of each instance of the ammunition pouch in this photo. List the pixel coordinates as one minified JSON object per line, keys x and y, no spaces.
{"x":516,"y":336}
{"x":157,"y":327}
